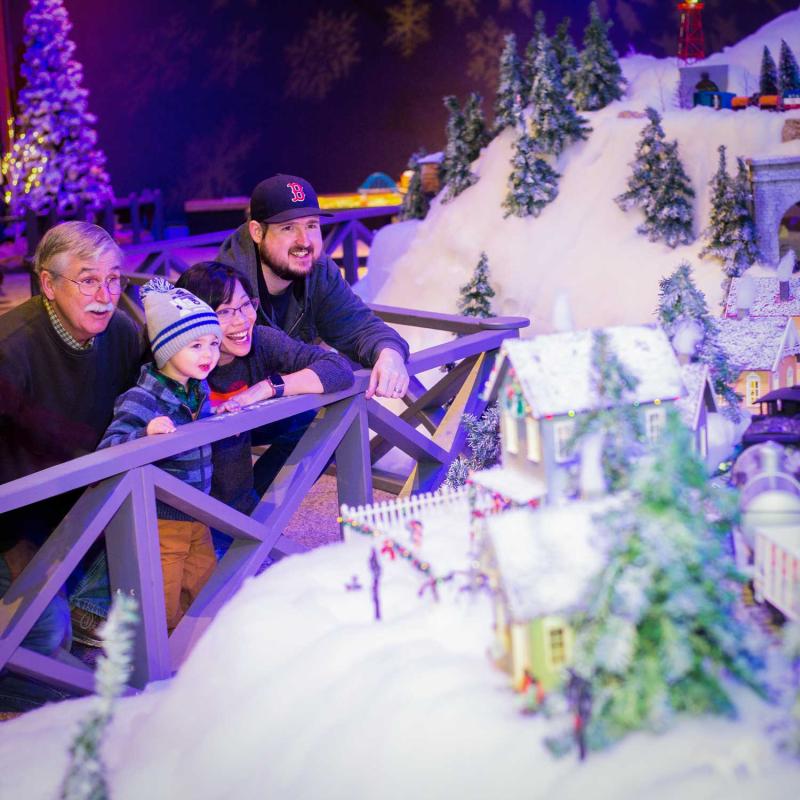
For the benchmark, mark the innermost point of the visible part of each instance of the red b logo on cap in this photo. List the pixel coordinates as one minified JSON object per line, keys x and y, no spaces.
{"x":298,"y":194}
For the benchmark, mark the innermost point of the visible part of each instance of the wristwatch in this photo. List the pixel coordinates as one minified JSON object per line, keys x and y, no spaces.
{"x":278,"y":384}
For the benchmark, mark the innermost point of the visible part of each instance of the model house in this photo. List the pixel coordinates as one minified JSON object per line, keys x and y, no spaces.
{"x":771,"y":297}
{"x":697,"y":403}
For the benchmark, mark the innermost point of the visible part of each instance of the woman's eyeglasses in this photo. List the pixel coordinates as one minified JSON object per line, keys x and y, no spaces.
{"x":246,"y":309}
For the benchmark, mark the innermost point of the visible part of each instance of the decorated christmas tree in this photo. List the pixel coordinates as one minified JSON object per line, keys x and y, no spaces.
{"x":456,"y":165}
{"x":553,"y":122}
{"x":509,"y":87}
{"x":788,"y":71}
{"x":476,"y":135}
{"x":483,"y":444}
{"x":616,"y":421}
{"x":731,"y":234}
{"x":53,"y":160}
{"x":679,"y":299}
{"x":598,"y":80}
{"x":476,"y":296}
{"x":642,"y":183}
{"x":415,"y":201}
{"x":768,"y":80}
{"x":533,"y":182}
{"x":566,"y":53}
{"x":661,"y":628}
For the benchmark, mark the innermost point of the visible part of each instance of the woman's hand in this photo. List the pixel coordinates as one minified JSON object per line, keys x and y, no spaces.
{"x":160,"y":425}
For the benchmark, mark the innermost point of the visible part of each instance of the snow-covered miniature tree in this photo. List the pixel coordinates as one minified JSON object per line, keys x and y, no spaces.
{"x":661,"y":626}
{"x":668,"y":216}
{"x":649,"y":152}
{"x":566,"y":53}
{"x":533,"y":182}
{"x":86,"y":779}
{"x":598,"y":80}
{"x":456,"y":165}
{"x":476,"y":134}
{"x":528,"y":65}
{"x":53,"y":160}
{"x":788,"y":71}
{"x":415,"y":202}
{"x":616,"y":420}
{"x":679,"y":300}
{"x":483,"y":444}
{"x":553,"y":122}
{"x":768,"y":79}
{"x":476,"y":296}
{"x":509,"y":86}
{"x":731,"y":233}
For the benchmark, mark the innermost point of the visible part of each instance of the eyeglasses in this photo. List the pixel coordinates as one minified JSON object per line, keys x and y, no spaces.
{"x":246,"y":309}
{"x":91,"y":286}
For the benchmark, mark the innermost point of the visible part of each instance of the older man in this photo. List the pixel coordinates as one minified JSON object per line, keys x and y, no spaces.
{"x":64,"y":357}
{"x":302,"y":292}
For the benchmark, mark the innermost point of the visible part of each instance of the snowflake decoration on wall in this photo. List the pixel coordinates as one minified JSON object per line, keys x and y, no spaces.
{"x":408,"y":26}
{"x":484,"y":47}
{"x":235,"y":56}
{"x":525,"y":6}
{"x":462,"y":8}
{"x":323,"y":54}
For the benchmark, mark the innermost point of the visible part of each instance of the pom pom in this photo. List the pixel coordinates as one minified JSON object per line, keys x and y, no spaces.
{"x":161,"y":285}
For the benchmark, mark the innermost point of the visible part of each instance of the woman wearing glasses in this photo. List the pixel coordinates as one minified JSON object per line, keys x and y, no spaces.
{"x":256,"y":363}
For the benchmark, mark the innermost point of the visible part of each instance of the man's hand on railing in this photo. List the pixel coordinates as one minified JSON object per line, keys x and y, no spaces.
{"x":389,"y":376}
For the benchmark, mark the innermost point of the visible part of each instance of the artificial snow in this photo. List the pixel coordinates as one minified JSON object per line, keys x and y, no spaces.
{"x":510,"y":484}
{"x":766,"y":300}
{"x":555,"y":371}
{"x":758,"y":343}
{"x":582,"y":243}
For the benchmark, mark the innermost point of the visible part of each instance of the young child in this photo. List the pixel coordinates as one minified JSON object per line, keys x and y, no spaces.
{"x":184,"y":336}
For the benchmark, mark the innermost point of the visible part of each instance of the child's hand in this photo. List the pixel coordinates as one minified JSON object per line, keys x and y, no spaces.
{"x":160,"y":425}
{"x":229,"y":406}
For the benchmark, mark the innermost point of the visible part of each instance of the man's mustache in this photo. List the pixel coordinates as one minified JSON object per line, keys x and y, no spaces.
{"x":100,"y":308}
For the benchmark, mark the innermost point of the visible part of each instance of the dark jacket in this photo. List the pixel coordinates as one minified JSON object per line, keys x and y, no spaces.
{"x":151,"y":398}
{"x":322,"y":306}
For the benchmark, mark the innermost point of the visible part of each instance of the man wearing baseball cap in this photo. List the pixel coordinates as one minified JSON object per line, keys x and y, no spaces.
{"x":301,"y":290}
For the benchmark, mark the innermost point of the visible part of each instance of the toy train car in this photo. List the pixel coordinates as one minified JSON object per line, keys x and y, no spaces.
{"x":779,"y":420}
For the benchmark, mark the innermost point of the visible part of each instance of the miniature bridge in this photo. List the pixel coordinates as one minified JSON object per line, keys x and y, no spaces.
{"x":121,"y":485}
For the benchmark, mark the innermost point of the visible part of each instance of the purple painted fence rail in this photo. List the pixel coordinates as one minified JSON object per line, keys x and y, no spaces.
{"x":121,"y":487}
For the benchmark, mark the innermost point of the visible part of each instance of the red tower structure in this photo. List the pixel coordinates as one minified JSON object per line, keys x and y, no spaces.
{"x":692,"y":41}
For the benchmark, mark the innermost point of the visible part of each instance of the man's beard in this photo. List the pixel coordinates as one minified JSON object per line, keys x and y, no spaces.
{"x":281,"y":268}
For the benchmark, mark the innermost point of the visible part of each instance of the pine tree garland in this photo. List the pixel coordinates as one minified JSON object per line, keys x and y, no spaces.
{"x":54,"y":159}
{"x":731,"y":234}
{"x":476,"y":296}
{"x":768,"y":80}
{"x":788,"y":71}
{"x":86,"y":779}
{"x":566,"y":53}
{"x":509,"y":86}
{"x":598,"y":80}
{"x":553,"y":121}
{"x":662,"y":625}
{"x":456,"y":165}
{"x":483,"y":443}
{"x":679,"y":299}
{"x":415,"y":202}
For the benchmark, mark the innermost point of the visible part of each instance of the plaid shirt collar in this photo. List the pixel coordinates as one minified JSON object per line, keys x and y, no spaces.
{"x":63,"y":334}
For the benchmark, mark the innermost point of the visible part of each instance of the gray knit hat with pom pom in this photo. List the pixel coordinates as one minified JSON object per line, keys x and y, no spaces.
{"x":175,"y":318}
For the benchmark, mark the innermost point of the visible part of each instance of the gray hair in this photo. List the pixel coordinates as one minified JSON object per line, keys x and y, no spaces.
{"x":84,"y":241}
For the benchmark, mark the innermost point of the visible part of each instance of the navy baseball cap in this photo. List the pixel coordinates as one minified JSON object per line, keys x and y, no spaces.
{"x":284,"y":197}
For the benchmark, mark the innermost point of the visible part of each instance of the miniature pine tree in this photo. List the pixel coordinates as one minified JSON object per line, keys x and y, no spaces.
{"x":415,"y":202}
{"x":788,"y":71}
{"x":679,"y":299}
{"x":642,"y":183}
{"x":768,"y":80}
{"x":553,"y":121}
{"x":616,"y":419}
{"x":528,"y":68}
{"x":731,"y":234}
{"x":86,"y":778}
{"x":598,"y":79}
{"x":509,"y":87}
{"x":791,"y":648}
{"x":476,"y":296}
{"x":661,"y":625}
{"x":476,"y":135}
{"x":483,"y":445}
{"x":54,"y":160}
{"x":668,"y":213}
{"x":566,"y":53}
{"x":456,"y":173}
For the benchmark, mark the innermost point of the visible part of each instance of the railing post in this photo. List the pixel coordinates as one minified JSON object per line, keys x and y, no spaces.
{"x":353,"y":469}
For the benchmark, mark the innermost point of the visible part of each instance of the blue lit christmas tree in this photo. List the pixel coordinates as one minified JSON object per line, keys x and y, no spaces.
{"x":54,"y":160}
